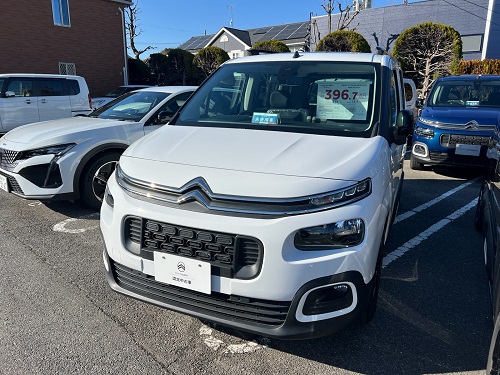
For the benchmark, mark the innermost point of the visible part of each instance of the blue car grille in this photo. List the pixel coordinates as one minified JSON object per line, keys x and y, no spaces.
{"x":451,"y":140}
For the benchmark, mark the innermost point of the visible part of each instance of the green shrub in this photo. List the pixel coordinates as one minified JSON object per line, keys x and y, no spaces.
{"x":343,"y":41}
{"x":271,"y":46}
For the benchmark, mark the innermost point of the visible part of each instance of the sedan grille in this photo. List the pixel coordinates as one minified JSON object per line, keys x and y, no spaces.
{"x":14,"y":186}
{"x":231,"y":255}
{"x":8,"y":158}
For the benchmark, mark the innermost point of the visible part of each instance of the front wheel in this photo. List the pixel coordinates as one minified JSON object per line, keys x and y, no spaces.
{"x":369,"y":313}
{"x":415,"y":165}
{"x":94,"y":178}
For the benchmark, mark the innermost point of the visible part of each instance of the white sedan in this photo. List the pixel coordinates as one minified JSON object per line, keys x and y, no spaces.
{"x":72,"y":158}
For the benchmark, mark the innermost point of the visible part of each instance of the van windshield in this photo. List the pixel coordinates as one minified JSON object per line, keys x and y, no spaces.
{"x":309,"y":97}
{"x":466,"y":93}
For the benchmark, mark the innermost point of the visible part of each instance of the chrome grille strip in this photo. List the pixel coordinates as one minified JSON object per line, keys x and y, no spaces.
{"x":202,"y":195}
{"x":480,"y":128}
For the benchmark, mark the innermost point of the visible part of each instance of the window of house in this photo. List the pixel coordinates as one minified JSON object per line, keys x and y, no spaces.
{"x":60,"y":11}
{"x":471,"y":43}
{"x":67,"y":68}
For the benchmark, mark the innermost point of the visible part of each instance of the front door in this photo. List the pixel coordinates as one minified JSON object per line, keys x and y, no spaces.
{"x":20,"y":109}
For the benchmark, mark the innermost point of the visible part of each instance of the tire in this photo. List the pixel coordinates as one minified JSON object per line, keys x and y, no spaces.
{"x":94,"y":178}
{"x":371,"y":306}
{"x":478,"y":216}
{"x":415,"y":165}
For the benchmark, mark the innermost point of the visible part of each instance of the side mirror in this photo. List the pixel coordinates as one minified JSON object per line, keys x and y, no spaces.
{"x":420,"y":103}
{"x":404,"y":126}
{"x":164,"y":117}
{"x":10,"y":94}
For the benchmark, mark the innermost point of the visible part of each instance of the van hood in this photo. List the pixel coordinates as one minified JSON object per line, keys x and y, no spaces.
{"x":454,"y":115}
{"x":69,"y":129}
{"x":226,"y":157}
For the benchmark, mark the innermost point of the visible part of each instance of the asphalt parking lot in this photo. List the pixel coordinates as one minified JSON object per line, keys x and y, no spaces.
{"x":59,"y":316}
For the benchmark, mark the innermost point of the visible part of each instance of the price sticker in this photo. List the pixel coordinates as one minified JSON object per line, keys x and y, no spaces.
{"x":343,"y":100}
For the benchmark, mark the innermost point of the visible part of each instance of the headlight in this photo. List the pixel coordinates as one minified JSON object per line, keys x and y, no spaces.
{"x":342,"y":234}
{"x":57,"y":150}
{"x":343,"y":196}
{"x":424,"y":132}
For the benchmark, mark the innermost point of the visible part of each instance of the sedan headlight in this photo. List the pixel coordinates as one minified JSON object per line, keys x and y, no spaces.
{"x":57,"y":150}
{"x":341,"y":234}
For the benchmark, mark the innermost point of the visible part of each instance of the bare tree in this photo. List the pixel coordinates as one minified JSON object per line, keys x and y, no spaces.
{"x":328,"y":7}
{"x":133,"y":31}
{"x":346,"y":15}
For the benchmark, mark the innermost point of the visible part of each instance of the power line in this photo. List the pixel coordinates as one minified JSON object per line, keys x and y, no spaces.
{"x":466,"y":11}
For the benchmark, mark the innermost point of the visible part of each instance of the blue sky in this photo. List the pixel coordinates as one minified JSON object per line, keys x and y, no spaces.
{"x":169,"y":23}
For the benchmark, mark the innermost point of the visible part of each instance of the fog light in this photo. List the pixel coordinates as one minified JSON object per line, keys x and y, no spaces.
{"x":420,"y":149}
{"x":345,"y":233}
{"x":327,"y":299}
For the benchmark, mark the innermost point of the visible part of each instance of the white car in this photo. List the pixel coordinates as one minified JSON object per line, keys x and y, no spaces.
{"x":72,"y":158}
{"x":99,"y":101}
{"x":28,"y":98}
{"x":265,"y":203}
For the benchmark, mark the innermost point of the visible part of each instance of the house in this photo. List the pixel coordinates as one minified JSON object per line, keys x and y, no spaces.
{"x":237,"y":42}
{"x":478,"y":23}
{"x":85,"y":38}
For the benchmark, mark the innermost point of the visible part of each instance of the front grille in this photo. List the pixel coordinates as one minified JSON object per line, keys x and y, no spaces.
{"x":451,"y":140}
{"x":229,"y":307}
{"x":14,"y":186}
{"x":8,"y":159}
{"x":8,"y":156}
{"x":231,"y":255}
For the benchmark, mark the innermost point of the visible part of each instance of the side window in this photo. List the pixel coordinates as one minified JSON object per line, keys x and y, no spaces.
{"x":21,"y":87}
{"x":167,"y":110}
{"x":50,"y":87}
{"x":393,"y":100}
{"x":73,"y":87}
{"x":60,"y":12}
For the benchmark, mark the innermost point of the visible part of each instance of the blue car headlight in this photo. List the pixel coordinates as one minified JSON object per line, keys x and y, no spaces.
{"x":424,"y":132}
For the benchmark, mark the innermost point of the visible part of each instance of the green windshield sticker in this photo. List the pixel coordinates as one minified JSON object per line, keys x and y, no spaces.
{"x":343,"y":99}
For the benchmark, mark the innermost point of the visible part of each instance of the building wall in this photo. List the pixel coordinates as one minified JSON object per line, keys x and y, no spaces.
{"x":31,"y":43}
{"x":467,"y":17}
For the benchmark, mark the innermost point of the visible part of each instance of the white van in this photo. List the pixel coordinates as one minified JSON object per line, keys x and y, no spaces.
{"x":27,"y":98}
{"x":265,"y":203}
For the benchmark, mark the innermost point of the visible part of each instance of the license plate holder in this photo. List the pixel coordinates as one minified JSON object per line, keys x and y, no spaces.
{"x":4,"y":183}
{"x":469,"y":150}
{"x":184,"y":272}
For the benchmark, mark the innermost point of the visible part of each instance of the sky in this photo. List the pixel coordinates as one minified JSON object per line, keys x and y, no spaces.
{"x":169,"y":23}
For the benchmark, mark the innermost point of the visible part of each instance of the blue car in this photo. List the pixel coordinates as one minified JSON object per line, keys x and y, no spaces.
{"x":459,"y":120}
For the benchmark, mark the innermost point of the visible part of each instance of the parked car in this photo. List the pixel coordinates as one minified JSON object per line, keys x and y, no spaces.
{"x":119,"y":91}
{"x":459,"y":118}
{"x":411,"y":96}
{"x":487,"y":222}
{"x":27,"y":98}
{"x":265,"y":204}
{"x":72,"y":158}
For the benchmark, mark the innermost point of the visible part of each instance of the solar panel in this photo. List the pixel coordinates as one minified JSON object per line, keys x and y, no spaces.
{"x":262,"y":30}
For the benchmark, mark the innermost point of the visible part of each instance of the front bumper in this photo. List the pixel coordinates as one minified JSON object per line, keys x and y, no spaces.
{"x":274,"y":319}
{"x":277,"y":301}
{"x":37,"y":178}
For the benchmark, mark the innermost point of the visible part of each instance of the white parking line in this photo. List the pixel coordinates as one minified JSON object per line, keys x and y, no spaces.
{"x":422,"y":207}
{"x":400,"y":251}
{"x":61,"y":227}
